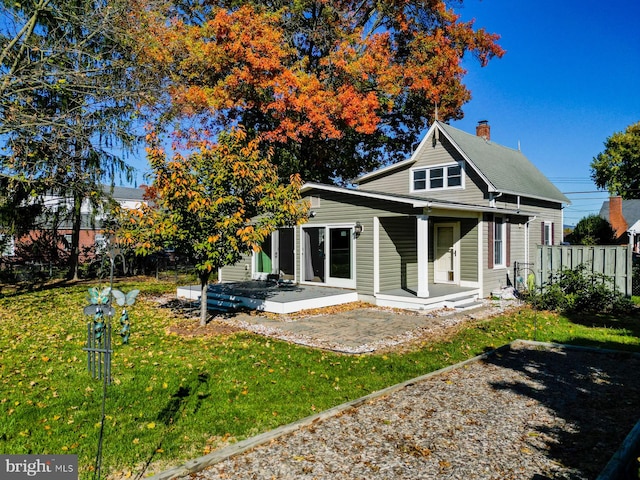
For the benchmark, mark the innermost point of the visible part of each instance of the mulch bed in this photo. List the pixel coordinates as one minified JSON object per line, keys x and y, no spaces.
{"x":192,"y":328}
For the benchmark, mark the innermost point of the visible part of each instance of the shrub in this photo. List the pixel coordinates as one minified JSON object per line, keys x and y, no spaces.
{"x":580,"y":291}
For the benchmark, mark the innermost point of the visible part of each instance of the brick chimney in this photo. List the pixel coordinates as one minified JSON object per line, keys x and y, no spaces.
{"x":616,"y":219}
{"x":483,"y":130}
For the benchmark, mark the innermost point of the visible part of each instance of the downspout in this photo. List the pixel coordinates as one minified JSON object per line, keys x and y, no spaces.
{"x":492,"y":200}
{"x":526,"y":237}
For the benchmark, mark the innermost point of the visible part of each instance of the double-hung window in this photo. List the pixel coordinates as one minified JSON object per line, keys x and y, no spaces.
{"x":454,"y":176}
{"x":499,"y":242}
{"x":420,"y":179}
{"x":437,"y":178}
{"x":547,"y":233}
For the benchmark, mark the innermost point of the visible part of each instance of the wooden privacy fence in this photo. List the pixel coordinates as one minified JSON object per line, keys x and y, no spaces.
{"x":610,"y":260}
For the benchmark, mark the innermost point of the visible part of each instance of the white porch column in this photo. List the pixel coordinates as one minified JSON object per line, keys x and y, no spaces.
{"x":423,"y":255}
{"x":376,"y":255}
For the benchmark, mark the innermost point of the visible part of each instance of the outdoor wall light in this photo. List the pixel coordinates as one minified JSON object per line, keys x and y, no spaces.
{"x":358,"y":229}
{"x":312,"y":213}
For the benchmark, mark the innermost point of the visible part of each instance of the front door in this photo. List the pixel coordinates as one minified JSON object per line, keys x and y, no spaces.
{"x":446,"y":253}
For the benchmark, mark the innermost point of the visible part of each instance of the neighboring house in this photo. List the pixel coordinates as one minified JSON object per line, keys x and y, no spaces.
{"x":441,"y":227}
{"x":91,"y":237}
{"x":624,"y":217}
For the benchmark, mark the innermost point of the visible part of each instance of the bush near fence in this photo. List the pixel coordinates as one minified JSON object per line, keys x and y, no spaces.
{"x":612,"y":261}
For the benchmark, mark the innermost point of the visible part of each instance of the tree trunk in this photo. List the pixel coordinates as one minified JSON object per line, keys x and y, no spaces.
{"x":204,"y":281}
{"x":76,"y":225}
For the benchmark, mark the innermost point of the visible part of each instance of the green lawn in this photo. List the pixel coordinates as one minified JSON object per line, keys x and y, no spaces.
{"x":175,"y":398}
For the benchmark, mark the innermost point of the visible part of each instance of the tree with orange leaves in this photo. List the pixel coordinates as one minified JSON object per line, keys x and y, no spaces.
{"x":335,"y":88}
{"x":212,"y":206}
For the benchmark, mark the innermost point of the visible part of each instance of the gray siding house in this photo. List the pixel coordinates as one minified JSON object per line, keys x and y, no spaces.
{"x":438,"y":229}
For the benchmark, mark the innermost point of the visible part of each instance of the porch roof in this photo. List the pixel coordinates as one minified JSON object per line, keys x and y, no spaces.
{"x":413,"y":200}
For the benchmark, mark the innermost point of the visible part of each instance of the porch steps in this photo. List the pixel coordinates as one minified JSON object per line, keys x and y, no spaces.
{"x":468,"y":305}
{"x":222,"y":303}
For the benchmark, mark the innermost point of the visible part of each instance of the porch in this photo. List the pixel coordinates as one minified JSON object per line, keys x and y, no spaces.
{"x":269,"y":296}
{"x":289,"y":297}
{"x":440,"y":296}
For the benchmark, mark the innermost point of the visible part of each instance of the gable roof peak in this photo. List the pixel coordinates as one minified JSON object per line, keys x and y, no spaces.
{"x":508,"y":170}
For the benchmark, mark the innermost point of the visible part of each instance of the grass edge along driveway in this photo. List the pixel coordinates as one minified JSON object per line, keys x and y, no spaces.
{"x":175,"y":398}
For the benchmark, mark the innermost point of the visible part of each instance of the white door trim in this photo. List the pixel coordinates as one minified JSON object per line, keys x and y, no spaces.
{"x":447,"y":276}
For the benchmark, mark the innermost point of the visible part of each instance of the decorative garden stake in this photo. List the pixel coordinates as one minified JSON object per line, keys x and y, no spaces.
{"x":126,"y":327}
{"x":123,"y":299}
{"x":99,"y":334}
{"x":98,"y":325}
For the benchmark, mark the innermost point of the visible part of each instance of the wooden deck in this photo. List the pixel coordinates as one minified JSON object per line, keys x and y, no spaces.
{"x":270,"y":297}
{"x":289,"y":297}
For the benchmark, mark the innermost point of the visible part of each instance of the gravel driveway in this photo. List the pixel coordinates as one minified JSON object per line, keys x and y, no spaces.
{"x":528,"y":412}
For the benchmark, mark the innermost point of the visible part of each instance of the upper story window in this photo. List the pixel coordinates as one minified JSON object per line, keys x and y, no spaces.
{"x":435,"y":178}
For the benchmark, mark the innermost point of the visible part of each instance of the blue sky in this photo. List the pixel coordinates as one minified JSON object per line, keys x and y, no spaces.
{"x":570,"y":79}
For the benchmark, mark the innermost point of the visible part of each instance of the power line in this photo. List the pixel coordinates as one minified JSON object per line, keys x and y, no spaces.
{"x":585,"y":191}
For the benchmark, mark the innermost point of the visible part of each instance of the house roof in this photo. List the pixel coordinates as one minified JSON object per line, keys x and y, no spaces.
{"x":504,"y":169}
{"x":413,"y":200}
{"x":635,"y":228}
{"x":124,"y":193}
{"x":630,"y":211}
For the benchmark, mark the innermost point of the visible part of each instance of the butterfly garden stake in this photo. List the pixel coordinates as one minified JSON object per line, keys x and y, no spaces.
{"x":99,"y":333}
{"x":123,"y":300}
{"x":99,"y":347}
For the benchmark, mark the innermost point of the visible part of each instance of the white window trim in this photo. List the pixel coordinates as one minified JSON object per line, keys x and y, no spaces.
{"x":329,"y":280}
{"x":445,"y":177}
{"x":549,"y":226}
{"x":503,"y":239}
